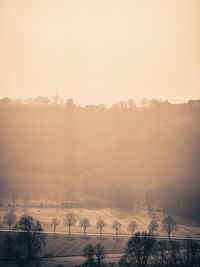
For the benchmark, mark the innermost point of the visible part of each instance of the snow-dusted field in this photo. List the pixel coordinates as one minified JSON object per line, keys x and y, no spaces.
{"x":187,"y":227}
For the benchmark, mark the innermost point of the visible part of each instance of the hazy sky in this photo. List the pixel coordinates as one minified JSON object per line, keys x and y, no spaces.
{"x":100,"y":51}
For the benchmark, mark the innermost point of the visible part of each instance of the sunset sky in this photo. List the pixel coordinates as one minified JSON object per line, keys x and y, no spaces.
{"x":100,"y":51}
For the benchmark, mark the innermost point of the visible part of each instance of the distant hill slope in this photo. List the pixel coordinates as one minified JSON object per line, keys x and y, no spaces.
{"x":141,"y":158}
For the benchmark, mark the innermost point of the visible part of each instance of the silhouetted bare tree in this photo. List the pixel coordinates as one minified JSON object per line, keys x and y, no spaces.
{"x":169,"y":225}
{"x":69,"y":221}
{"x":100,"y":254}
{"x":9,"y":219}
{"x":88,"y":253}
{"x":100,"y":225}
{"x":84,"y":223}
{"x":138,"y":250}
{"x":55,"y":222}
{"x":116,"y":226}
{"x":94,"y":255}
{"x":132,"y":226}
{"x":26,"y":244}
{"x":31,"y":238}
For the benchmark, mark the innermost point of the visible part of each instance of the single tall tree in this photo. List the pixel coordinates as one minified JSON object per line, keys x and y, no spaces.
{"x":9,"y":219}
{"x":88,"y":253}
{"x":30,"y":240}
{"x":84,"y":223}
{"x":116,"y":226}
{"x":100,"y":254}
{"x":169,"y":225}
{"x":100,"y":225}
{"x":69,"y":221}
{"x":94,"y":255}
{"x":132,"y":226}
{"x":55,"y":222}
{"x":138,"y":250}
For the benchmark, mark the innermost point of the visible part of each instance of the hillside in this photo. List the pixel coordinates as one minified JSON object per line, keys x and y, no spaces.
{"x":129,"y":158}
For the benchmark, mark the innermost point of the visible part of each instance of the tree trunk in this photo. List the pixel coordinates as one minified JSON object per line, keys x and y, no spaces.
{"x":69,"y":230}
{"x":162,"y":259}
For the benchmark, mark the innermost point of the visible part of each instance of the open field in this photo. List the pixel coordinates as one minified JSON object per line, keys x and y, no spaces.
{"x":187,"y":226}
{"x":68,"y":250}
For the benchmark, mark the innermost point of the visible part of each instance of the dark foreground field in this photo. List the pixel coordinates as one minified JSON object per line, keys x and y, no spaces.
{"x":65,"y":261}
{"x":68,"y":251}
{"x":63,"y":245}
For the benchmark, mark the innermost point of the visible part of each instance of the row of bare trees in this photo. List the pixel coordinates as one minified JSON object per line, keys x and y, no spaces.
{"x":168,"y":225}
{"x":40,"y":100}
{"x":58,"y":100}
{"x":70,"y":220}
{"x":141,"y":250}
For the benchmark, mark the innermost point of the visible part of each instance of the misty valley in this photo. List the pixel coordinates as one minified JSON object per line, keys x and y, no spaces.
{"x":137,"y":158}
{"x":119,"y":170}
